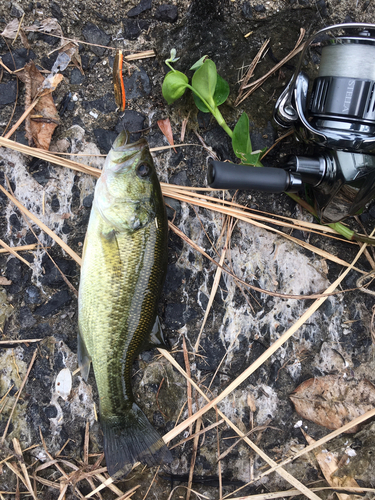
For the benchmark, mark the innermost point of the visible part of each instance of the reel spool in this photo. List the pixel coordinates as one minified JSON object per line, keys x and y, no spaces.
{"x":341,"y":110}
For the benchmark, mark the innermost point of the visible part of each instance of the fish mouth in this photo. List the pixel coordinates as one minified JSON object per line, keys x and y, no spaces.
{"x":122,"y":143}
{"x":123,"y":151}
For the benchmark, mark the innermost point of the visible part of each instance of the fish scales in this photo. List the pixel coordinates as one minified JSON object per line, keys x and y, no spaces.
{"x":123,"y":271}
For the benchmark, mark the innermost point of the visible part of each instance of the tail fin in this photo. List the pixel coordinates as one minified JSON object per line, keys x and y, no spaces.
{"x":130,"y":438}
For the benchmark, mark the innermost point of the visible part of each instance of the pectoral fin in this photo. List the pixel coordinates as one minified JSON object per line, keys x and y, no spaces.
{"x":157,"y":338}
{"x":84,"y":359}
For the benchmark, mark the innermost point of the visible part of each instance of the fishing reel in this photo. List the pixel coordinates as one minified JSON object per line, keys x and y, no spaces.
{"x":336,"y":113}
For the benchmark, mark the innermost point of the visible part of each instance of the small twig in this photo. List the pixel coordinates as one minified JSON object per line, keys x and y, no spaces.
{"x":251,"y":69}
{"x":21,"y":119}
{"x":86,"y":444}
{"x":254,"y":85}
{"x":152,"y":482}
{"x":203,"y":431}
{"x":19,"y":28}
{"x":251,"y":431}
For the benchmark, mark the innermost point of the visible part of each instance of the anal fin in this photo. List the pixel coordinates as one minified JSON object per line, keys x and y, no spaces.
{"x":84,"y":359}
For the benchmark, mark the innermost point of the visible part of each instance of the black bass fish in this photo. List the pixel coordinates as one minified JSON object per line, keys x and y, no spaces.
{"x":122,"y":275}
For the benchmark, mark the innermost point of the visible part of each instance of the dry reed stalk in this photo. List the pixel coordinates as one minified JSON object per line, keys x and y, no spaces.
{"x":105,"y":482}
{"x":193,"y":457}
{"x":86,"y":444}
{"x":251,"y":431}
{"x":170,"y":435}
{"x":3,"y":400}
{"x":189,"y":392}
{"x":219,"y":462}
{"x":181,"y":191}
{"x":213,"y":289}
{"x":292,"y":493}
{"x":50,"y":157}
{"x":11,"y":250}
{"x":23,"y":117}
{"x":24,"y":248}
{"x":56,"y":463}
{"x":129,"y":493}
{"x":23,"y":341}
{"x":18,"y":395}
{"x":27,"y":482}
{"x":252,"y":219}
{"x":324,"y":440}
{"x":46,"y":229}
{"x":14,"y":468}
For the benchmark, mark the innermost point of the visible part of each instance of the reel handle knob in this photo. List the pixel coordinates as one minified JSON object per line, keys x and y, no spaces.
{"x":223,"y":175}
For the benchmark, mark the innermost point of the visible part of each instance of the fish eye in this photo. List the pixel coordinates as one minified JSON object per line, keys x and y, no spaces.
{"x":143,"y":170}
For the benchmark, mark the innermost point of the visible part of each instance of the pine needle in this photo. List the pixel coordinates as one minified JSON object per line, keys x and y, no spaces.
{"x":24,"y":248}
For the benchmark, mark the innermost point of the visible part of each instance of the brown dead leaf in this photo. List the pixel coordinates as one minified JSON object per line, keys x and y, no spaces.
{"x":329,"y":464}
{"x":165,"y":127}
{"x":333,"y":401}
{"x":183,"y":127}
{"x":48,"y":25}
{"x":39,"y":130}
{"x":4,"y":281}
{"x":11,"y":29}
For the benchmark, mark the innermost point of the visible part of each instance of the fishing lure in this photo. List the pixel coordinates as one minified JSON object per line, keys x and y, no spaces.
{"x":118,"y":81}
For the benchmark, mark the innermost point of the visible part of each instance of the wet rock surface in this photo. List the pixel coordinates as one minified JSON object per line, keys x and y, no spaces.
{"x":39,"y":304}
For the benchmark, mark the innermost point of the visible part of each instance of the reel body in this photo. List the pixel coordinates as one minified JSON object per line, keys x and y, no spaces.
{"x":337,"y":115}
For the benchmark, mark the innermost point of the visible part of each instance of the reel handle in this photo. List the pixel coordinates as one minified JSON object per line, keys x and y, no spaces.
{"x":223,"y":175}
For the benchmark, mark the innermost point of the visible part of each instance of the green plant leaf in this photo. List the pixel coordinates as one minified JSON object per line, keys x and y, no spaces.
{"x":221,"y":91}
{"x":252,"y":158}
{"x":204,"y":81}
{"x":241,"y":137}
{"x":200,"y":104}
{"x":220,"y":96}
{"x":198,"y":64}
{"x":174,"y":86}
